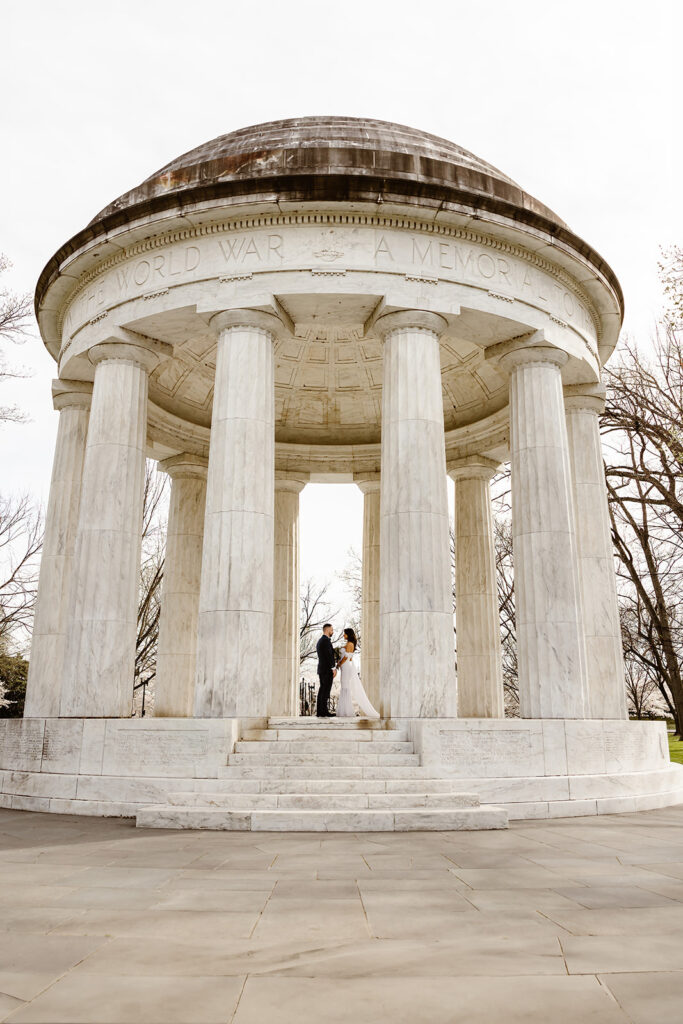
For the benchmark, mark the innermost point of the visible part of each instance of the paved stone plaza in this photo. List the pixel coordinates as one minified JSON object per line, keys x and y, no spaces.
{"x":575,"y":920}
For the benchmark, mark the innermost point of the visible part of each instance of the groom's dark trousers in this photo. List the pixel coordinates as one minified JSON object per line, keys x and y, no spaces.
{"x":326,"y":662}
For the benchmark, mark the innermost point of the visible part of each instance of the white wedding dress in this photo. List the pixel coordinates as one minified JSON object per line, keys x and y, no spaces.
{"x":352,"y":692}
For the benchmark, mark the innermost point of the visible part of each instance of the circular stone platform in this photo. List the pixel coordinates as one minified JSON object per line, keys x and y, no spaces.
{"x":303,"y":774}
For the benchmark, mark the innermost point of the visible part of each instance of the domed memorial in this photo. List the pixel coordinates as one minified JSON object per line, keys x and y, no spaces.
{"x":329,"y":299}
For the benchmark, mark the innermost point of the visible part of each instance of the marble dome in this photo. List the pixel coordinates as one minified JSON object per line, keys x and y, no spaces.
{"x":331,"y":158}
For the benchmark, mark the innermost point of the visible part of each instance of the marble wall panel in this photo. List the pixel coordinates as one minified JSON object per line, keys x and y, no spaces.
{"x":21,"y":743}
{"x":480,"y":748}
{"x":40,"y":784}
{"x":62,"y":741}
{"x":168,"y":747}
{"x":92,"y":749}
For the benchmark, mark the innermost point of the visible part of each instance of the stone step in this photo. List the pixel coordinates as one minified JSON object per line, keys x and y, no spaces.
{"x":256,"y":756}
{"x":409,"y":820}
{"x":360,"y":724}
{"x":323,"y":801}
{"x":318,"y":771}
{"x":318,"y":785}
{"x":315,"y":746}
{"x":368,"y":736}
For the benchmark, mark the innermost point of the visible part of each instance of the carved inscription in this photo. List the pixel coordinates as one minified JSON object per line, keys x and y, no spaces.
{"x":160,"y":267}
{"x":470,"y":262}
{"x":629,"y":749}
{"x":251,"y":248}
{"x":491,"y":754}
{"x":21,"y":745}
{"x":230,"y":257}
{"x":138,"y":749}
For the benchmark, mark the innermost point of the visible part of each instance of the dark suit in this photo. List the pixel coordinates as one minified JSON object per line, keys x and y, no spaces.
{"x":326,"y":665}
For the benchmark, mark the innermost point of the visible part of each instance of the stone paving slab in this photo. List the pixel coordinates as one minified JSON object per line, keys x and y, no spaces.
{"x":446,"y":1001}
{"x":103,"y":923}
{"x":648,"y":997}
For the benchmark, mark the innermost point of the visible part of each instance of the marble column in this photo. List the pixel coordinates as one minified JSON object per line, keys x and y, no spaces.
{"x":43,"y":689}
{"x":480,"y":673}
{"x":551,"y":652}
{"x":369,"y":483}
{"x":606,"y":693}
{"x":100,"y":655}
{"x":177,"y":651}
{"x":235,"y":635}
{"x":417,"y":660}
{"x":286,"y":611}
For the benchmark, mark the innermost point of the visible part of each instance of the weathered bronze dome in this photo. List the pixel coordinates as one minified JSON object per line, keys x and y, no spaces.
{"x":335,"y":159}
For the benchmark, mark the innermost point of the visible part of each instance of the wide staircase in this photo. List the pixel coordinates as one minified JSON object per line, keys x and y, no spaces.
{"x":324,"y":775}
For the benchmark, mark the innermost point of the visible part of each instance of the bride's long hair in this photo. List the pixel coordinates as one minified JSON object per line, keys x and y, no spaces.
{"x":350,"y":635}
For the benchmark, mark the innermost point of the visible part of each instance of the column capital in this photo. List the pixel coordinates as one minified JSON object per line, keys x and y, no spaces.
{"x":255,"y":319}
{"x":286,"y":482}
{"x":144,"y":356}
{"x":184,"y":466}
{"x":532,"y":355}
{"x":589,"y":397}
{"x":71,"y":393}
{"x":368,"y":483}
{"x":410,"y":320}
{"x":472,"y":467}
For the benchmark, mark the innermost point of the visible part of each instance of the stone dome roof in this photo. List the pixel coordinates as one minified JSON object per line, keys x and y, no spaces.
{"x":327,"y":160}
{"x":330,"y":159}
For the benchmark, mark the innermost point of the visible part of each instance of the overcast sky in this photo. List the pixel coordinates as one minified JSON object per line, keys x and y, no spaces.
{"x":575,"y":101}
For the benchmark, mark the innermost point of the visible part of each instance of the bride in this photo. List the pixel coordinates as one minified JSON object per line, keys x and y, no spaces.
{"x":352,"y":691}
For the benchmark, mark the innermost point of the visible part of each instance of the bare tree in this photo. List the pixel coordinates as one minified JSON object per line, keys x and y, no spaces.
{"x":352,"y":576}
{"x":646,"y":694}
{"x":149,"y":611}
{"x":505,"y":581}
{"x":154,"y":518}
{"x":451,"y":548}
{"x":315,"y":612}
{"x":671,"y":274}
{"x":15,"y":316}
{"x":642,"y":428}
{"x":21,"y":538}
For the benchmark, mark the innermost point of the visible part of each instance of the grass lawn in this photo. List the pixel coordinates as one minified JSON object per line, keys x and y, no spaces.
{"x":676,"y":749}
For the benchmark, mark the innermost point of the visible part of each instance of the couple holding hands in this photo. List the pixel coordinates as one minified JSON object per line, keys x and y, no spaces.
{"x":352,"y":694}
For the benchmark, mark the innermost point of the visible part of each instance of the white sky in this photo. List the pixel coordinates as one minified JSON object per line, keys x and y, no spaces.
{"x":576,"y":102}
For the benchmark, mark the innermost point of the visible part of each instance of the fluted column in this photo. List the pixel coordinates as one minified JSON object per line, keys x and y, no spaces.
{"x":550,"y":647}
{"x":417,"y":661}
{"x":369,"y":484}
{"x":480,"y":674}
{"x":177,"y":651}
{"x":100,"y":656}
{"x":43,"y":689}
{"x":286,"y":611}
{"x":235,"y":636}
{"x":606,"y":693}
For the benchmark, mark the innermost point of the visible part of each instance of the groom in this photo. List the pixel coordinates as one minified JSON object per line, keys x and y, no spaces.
{"x":326,"y":670}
